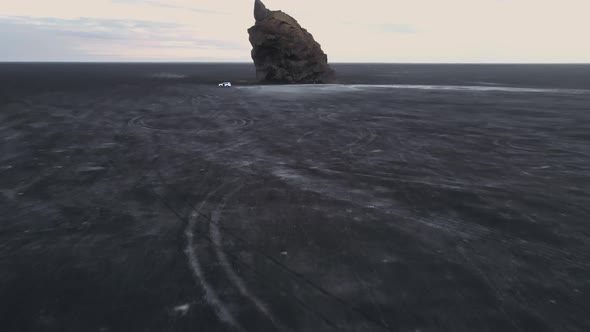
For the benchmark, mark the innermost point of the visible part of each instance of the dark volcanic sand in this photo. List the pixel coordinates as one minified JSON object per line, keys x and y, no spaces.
{"x":132,"y":199}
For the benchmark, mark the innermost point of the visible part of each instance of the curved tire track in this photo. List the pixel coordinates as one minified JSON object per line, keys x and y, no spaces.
{"x":236,"y":280}
{"x":211,"y":296}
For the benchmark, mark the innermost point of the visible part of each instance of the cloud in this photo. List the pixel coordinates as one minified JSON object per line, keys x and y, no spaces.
{"x":49,"y":38}
{"x":93,"y":27}
{"x":202,"y":44}
{"x":379,"y":30}
{"x":169,"y":6}
{"x":395,"y":28}
{"x":383,"y":27}
{"x":20,"y":42}
{"x":90,"y":22}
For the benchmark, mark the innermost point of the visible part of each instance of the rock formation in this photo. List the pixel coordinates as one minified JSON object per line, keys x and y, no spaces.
{"x":284,"y":52}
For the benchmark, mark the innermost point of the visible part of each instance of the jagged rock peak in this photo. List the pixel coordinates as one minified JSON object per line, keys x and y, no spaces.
{"x":284,"y":52}
{"x":260,"y":11}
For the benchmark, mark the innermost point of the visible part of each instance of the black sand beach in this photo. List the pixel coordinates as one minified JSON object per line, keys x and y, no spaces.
{"x":142,"y":197}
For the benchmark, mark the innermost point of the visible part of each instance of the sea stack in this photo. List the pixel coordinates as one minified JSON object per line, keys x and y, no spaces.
{"x":284,"y":52}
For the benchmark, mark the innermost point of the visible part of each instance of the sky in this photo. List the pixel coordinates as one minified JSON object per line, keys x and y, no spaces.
{"x":398,"y":31}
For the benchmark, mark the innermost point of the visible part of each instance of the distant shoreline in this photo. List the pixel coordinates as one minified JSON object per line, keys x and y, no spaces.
{"x":335,"y":62}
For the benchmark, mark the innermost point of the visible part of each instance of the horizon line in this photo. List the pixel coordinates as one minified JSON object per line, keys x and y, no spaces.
{"x":334,"y":62}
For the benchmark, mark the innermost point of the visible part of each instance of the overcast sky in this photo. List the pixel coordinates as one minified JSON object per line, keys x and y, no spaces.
{"x":349,"y":31}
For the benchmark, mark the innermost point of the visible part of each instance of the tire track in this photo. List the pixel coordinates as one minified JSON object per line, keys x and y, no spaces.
{"x":237,"y":281}
{"x":364,"y":138}
{"x":204,"y":114}
{"x":452,"y":227}
{"x":211,"y":296}
{"x":227,"y":123}
{"x":509,"y":144}
{"x":299,"y":301}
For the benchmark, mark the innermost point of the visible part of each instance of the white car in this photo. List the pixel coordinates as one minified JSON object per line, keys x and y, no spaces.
{"x":225,"y":84}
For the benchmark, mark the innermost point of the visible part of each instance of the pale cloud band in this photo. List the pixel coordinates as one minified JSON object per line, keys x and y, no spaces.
{"x":374,"y":31}
{"x":168,"y":5}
